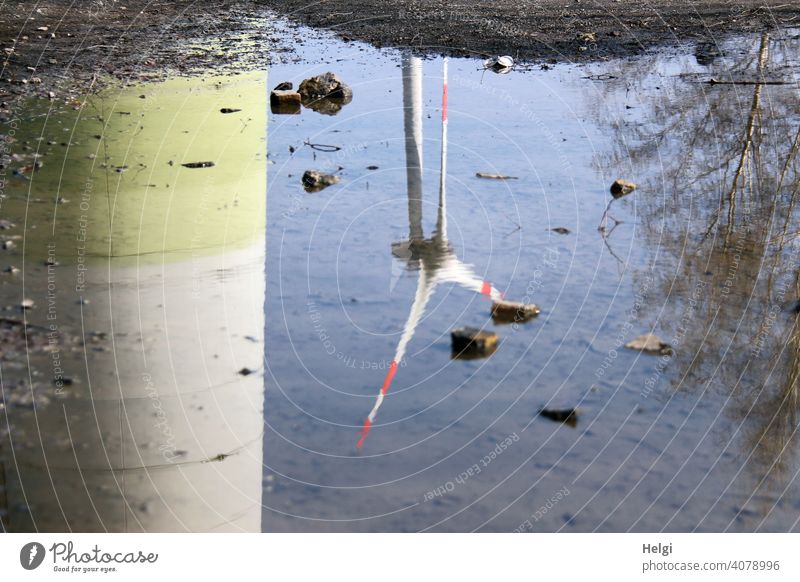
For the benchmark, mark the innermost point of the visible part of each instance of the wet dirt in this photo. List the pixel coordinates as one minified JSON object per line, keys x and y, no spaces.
{"x":59,"y":49}
{"x":550,"y":29}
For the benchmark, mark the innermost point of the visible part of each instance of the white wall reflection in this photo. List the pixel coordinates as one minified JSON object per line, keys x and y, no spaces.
{"x":144,"y":412}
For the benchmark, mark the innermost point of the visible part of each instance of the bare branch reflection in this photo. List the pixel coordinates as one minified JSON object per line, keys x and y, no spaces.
{"x":718,"y":165}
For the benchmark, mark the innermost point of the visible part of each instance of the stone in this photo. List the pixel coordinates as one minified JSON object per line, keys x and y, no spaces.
{"x":285,"y":102}
{"x":325,"y":94}
{"x":568,"y":416}
{"x":327,"y":86}
{"x":470,"y":343}
{"x":622,"y":188}
{"x":314,"y":181}
{"x":512,"y":312}
{"x":501,"y":64}
{"x":650,"y":343}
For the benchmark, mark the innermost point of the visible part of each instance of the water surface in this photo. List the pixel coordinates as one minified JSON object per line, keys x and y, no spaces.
{"x":192,"y":382}
{"x":703,"y":255}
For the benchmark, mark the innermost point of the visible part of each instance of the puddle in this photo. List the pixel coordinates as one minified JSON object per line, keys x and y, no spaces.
{"x":161,"y":428}
{"x":357,"y":301}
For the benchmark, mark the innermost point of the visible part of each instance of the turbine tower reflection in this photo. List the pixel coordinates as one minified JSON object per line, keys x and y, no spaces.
{"x":433,"y":258}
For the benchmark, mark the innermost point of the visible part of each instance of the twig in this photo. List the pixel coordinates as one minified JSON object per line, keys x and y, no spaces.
{"x":322,"y":147}
{"x":606,"y":215}
{"x":748,"y":82}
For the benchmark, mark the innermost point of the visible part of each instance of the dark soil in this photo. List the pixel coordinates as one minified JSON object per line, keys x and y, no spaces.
{"x":539,"y":29}
{"x":50,"y":48}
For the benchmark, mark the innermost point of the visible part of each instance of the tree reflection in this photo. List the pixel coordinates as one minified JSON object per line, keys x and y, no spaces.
{"x":718,"y":170}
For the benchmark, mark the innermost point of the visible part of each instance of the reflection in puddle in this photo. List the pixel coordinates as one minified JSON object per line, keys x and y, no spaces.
{"x":702,"y":438}
{"x":123,"y":405}
{"x":135,"y":294}
{"x":433,"y":258}
{"x":725,"y":258}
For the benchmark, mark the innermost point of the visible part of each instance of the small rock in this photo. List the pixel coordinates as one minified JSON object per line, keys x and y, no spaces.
{"x":245,"y":372}
{"x":327,"y":86}
{"x":469,"y":343}
{"x":285,"y":102}
{"x":502,"y":65}
{"x":27,"y":304}
{"x":587,"y":37}
{"x":650,"y":343}
{"x":229,"y":110}
{"x":325,"y":94}
{"x":11,"y":269}
{"x":6,"y":224}
{"x":622,"y":188}
{"x":568,"y":416}
{"x":314,"y":181}
{"x":511,"y":312}
{"x":284,"y":86}
{"x":560,"y":230}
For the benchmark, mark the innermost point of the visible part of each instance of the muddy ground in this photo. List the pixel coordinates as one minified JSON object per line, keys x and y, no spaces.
{"x":540,"y":29}
{"x":48,"y":44}
{"x":54,"y":48}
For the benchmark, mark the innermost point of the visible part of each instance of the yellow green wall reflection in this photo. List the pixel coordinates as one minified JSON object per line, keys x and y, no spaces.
{"x":117,"y":162}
